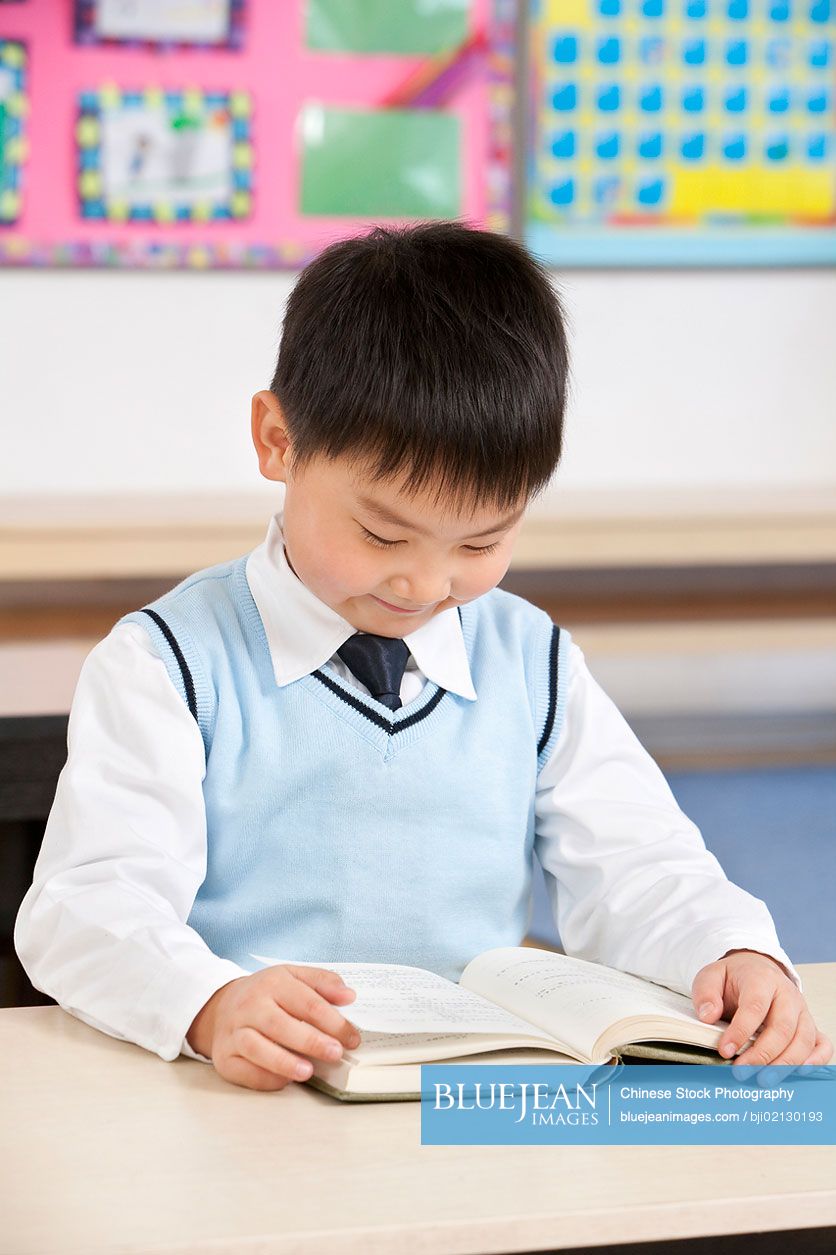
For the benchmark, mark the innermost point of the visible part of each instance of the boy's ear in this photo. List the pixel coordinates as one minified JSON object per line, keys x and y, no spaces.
{"x":270,"y":436}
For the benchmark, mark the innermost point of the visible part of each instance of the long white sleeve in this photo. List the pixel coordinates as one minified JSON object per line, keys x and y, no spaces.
{"x":102,"y":927}
{"x":630,"y":881}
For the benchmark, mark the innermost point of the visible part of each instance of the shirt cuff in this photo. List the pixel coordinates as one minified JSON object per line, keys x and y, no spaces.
{"x":172,"y":998}
{"x":185,"y":1049}
{"x":716,"y":945}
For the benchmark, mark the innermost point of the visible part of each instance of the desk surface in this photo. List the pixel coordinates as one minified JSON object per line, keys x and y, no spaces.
{"x":104,"y":1146}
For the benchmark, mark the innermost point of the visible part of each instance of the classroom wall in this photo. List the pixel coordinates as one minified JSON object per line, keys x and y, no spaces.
{"x":140,"y":382}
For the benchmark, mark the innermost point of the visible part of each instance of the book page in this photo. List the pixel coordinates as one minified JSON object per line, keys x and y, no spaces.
{"x":395,"y":998}
{"x":385,"y":1048}
{"x":574,"y":1000}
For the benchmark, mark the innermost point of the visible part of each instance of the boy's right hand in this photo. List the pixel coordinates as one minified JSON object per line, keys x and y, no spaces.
{"x":257,"y":1029}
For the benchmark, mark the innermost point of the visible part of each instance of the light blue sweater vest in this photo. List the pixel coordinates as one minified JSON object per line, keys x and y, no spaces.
{"x":339,"y":830}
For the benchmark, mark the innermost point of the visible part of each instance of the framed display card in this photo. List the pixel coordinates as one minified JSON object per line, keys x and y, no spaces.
{"x":247,"y":133}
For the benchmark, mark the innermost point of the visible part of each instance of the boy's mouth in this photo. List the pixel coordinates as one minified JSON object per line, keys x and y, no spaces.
{"x":398,"y":609}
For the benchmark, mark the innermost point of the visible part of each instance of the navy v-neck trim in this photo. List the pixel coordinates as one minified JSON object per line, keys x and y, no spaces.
{"x":388,"y":725}
{"x":357,"y":701}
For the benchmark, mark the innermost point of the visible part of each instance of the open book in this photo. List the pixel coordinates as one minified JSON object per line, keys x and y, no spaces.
{"x":512,"y":1005}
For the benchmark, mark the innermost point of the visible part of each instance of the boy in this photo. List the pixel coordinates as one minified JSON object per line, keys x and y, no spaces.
{"x":349,"y":742}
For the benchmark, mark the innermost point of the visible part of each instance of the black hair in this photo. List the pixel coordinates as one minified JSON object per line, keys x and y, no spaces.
{"x":434,"y":352}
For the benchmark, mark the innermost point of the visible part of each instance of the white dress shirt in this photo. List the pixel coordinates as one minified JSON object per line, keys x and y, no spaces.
{"x":103,"y":930}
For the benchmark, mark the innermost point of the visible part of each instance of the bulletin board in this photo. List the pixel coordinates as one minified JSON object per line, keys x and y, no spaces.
{"x":246,"y":133}
{"x":681,"y":132}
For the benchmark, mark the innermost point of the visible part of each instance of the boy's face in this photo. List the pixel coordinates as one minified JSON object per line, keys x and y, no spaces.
{"x":343,"y":542}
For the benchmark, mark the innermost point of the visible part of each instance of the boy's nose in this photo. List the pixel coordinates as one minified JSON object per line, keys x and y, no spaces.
{"x":421,"y":592}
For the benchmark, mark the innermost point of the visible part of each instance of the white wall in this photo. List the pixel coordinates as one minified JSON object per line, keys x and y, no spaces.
{"x":140,"y":382}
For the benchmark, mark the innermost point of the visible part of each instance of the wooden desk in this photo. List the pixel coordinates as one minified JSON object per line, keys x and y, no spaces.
{"x":105,"y":1147}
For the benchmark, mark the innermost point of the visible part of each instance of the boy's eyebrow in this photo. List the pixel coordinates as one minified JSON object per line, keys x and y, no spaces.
{"x":388,"y":516}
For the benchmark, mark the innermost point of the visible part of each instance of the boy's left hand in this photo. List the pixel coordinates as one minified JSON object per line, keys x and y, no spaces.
{"x":756,"y":991}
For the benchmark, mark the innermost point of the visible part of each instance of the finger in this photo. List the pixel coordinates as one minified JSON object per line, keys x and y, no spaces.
{"x":820,"y":1054}
{"x":822,"y":1051}
{"x":779,"y":1028}
{"x":796,"y":1051}
{"x":302,"y":1000}
{"x":269,"y":1055}
{"x":323,"y":980}
{"x":279,"y":1024}
{"x":240,"y":1071}
{"x":750,"y":1014}
{"x":707,"y":992}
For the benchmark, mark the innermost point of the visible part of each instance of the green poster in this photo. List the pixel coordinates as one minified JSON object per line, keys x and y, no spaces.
{"x":401,"y":26}
{"x":389,"y":163}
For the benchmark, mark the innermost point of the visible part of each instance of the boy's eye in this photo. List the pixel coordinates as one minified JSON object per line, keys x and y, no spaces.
{"x":388,"y":544}
{"x":377,"y":540}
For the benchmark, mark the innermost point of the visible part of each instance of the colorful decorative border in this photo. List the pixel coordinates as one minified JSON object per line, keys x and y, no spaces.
{"x":262,"y":246}
{"x":93,"y":105}
{"x":501,"y":54}
{"x":12,"y":138}
{"x":85,"y":31}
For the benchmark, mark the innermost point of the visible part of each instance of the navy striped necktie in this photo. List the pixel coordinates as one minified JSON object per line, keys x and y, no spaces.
{"x":379,"y":662}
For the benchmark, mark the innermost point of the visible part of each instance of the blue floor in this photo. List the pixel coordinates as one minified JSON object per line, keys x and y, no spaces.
{"x":773,"y":831}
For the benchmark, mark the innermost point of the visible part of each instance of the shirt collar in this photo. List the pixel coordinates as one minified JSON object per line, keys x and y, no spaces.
{"x":303,"y":633}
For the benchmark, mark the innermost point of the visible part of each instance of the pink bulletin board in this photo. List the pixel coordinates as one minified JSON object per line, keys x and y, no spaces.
{"x":292,"y":124}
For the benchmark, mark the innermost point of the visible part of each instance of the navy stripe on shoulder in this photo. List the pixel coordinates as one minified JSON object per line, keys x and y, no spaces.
{"x":553,"y":655}
{"x":188,"y":682}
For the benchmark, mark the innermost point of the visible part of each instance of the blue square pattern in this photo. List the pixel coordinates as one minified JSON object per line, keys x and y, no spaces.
{"x":652,"y":50}
{"x":818,"y":11}
{"x":565,"y":48}
{"x":819,"y":101}
{"x":650,"y":192}
{"x":608,"y":98}
{"x":605,"y":191}
{"x":564,"y":97}
{"x":778,"y":100}
{"x":778,"y":53}
{"x":776,"y":148}
{"x":735,"y":99}
{"x":608,"y":50}
{"x":694,"y":51}
{"x":778,"y":97}
{"x":820,"y":54}
{"x":562,"y":193}
{"x":736,"y":52}
{"x":692,"y":146}
{"x":563,"y":145}
{"x":651,"y":98}
{"x":607,"y":145}
{"x":650,"y":145}
{"x":733,"y":147}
